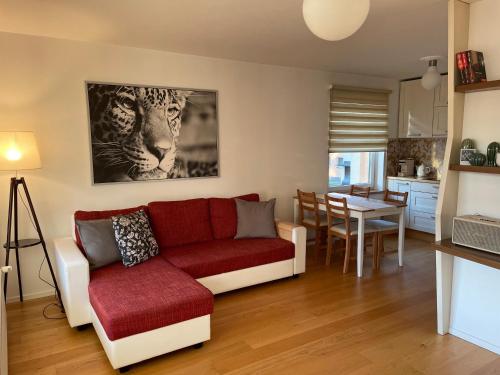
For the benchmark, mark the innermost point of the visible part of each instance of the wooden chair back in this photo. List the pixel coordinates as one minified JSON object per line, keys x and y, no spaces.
{"x":336,"y":208}
{"x":308,"y":202}
{"x":395,"y":196}
{"x":360,"y":191}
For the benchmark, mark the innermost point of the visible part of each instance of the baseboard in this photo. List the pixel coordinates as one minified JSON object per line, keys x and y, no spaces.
{"x":29,"y":296}
{"x":475,"y":340}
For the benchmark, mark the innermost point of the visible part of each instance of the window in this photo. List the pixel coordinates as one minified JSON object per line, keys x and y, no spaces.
{"x":359,"y":168}
{"x":358,"y":136}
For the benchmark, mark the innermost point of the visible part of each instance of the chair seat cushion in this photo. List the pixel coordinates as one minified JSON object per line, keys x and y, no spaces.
{"x":340,"y":228}
{"x":148,"y":296}
{"x":323,"y":222}
{"x":382,"y":225}
{"x":219,"y":256}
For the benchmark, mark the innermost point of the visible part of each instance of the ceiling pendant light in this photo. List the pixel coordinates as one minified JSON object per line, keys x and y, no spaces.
{"x":335,"y":19}
{"x":431,"y":78}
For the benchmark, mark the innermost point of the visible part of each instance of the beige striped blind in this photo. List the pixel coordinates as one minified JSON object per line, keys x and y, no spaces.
{"x":358,"y":119}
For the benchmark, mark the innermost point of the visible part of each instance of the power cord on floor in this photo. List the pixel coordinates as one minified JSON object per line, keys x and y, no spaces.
{"x":44,"y":311}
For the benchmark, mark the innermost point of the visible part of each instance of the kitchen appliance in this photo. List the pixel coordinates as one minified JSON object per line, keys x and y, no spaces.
{"x":406,"y":168}
{"x":423,"y":171}
{"x":477,"y":231}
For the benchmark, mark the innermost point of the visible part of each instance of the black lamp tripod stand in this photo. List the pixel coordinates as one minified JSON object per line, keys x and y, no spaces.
{"x":17,"y":244}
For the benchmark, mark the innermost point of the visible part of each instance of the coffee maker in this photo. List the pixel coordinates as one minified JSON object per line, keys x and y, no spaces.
{"x":406,"y":168}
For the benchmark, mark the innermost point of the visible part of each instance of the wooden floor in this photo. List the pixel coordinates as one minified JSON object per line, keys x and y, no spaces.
{"x":322,"y":323}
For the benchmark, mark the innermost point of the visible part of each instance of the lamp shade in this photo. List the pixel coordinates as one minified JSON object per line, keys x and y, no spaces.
{"x":335,"y":19}
{"x":18,"y":151}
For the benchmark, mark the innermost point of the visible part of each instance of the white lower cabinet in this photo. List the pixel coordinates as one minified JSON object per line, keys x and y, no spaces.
{"x":423,"y":202}
{"x":422,"y":199}
{"x":422,"y":221}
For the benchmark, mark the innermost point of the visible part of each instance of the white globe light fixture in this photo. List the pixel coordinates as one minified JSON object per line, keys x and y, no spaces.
{"x":335,"y":19}
{"x":431,"y":78}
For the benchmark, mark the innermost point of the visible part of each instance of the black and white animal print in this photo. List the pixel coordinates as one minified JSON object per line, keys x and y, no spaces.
{"x":134,"y":238}
{"x":137,"y":132}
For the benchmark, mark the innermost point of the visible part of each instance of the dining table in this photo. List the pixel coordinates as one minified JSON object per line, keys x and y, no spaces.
{"x":362,"y":209}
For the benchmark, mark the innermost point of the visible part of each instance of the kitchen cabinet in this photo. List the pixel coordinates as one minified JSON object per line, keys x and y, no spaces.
{"x":416,"y":110}
{"x":420,"y":213}
{"x":423,"y":113}
{"x":440,"y":122}
{"x":441,"y":93}
{"x":403,"y":187}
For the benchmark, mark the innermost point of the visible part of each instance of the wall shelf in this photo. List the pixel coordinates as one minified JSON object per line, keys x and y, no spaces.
{"x":471,"y":168}
{"x":478,"y":256}
{"x":481,"y":86}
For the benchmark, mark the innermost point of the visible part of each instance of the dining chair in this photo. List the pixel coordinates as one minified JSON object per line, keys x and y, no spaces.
{"x":337,"y":210}
{"x":360,"y":191}
{"x":311,"y":217}
{"x":386,"y":227}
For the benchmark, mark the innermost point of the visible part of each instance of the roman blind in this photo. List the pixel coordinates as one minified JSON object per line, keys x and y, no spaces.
{"x":358,"y":119}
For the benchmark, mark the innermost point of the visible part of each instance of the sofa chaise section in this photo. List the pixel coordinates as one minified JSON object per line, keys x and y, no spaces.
{"x":153,"y":303}
{"x":148,"y":296}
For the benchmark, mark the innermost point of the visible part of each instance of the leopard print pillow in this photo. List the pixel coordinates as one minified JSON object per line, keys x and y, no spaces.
{"x":134,"y":238}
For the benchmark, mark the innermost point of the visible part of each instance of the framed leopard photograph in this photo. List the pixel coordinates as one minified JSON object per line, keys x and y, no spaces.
{"x":141,"y":133}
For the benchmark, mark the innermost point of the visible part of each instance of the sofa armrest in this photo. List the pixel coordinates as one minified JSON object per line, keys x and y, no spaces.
{"x":73,"y":277}
{"x":298,"y":235}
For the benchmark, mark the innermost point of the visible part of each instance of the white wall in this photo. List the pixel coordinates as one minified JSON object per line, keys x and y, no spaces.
{"x":476,"y":301}
{"x":273,"y":128}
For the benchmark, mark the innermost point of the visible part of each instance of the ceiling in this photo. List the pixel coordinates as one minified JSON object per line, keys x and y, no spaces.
{"x":396,"y":34}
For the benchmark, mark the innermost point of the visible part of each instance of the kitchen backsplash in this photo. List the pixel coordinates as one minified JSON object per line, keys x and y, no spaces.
{"x":429,"y":151}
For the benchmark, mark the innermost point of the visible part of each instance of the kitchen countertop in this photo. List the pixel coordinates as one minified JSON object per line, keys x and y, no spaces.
{"x":416,"y":179}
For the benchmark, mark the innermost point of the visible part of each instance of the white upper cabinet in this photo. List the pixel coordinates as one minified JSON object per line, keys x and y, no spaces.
{"x":440,"y":123}
{"x":441,"y":93}
{"x":423,"y":113}
{"x":416,"y":110}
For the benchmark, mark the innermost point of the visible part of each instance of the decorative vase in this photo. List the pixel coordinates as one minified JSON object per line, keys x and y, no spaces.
{"x":492,"y":152}
{"x":477,"y":159}
{"x":467,"y":144}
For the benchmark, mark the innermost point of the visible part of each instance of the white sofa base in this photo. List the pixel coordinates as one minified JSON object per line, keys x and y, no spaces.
{"x":136,"y":348}
{"x":227,"y":281}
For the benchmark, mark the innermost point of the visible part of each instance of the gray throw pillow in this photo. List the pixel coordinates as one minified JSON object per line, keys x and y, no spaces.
{"x":134,"y":238}
{"x":255,"y":219}
{"x":98,"y":240}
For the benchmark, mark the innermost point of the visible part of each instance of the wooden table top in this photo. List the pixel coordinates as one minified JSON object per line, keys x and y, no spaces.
{"x":361,"y":204}
{"x":478,"y":256}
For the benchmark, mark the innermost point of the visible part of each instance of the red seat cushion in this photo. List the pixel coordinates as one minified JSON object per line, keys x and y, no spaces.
{"x":223,"y":215}
{"x":147,"y":296}
{"x":178,"y":223}
{"x":219,"y":256}
{"x":96,"y":215}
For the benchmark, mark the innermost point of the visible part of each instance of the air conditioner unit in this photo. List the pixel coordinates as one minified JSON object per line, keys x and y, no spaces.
{"x":477,"y":231}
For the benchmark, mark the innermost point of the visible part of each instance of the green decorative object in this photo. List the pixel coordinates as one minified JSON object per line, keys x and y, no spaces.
{"x":467,"y":144}
{"x":491,"y":153}
{"x":477,"y":159}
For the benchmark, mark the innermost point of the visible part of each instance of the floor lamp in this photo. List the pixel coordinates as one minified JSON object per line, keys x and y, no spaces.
{"x":18,"y":152}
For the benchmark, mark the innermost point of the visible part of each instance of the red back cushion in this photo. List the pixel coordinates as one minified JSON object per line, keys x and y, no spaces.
{"x":178,"y":223}
{"x":223,"y":215}
{"x":96,"y":215}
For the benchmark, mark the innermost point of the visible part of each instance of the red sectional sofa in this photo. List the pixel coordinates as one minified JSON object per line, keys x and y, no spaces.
{"x":165,"y":303}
